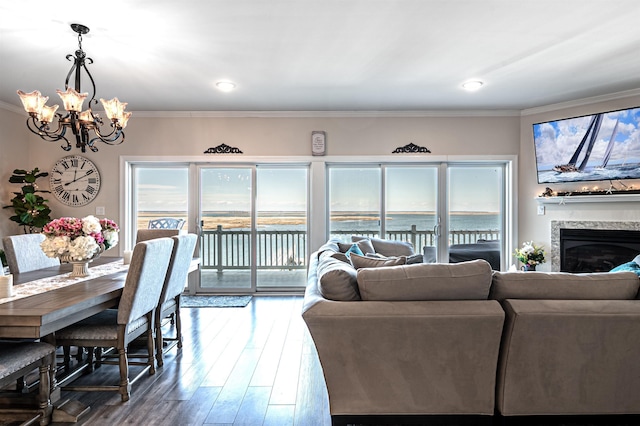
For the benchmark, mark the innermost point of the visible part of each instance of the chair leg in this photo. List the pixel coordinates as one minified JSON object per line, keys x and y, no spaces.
{"x":159,"y":343}
{"x":150,"y":349}
{"x":67,"y":357}
{"x":44,"y":390}
{"x":98,"y":357}
{"x":90,"y":360}
{"x":125,"y":386}
{"x":178,"y":327}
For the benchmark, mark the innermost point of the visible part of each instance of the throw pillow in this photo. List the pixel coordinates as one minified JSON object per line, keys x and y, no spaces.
{"x":353,"y":249}
{"x":388,"y":247}
{"x":364,"y":246}
{"x":337,"y":280}
{"x":427,"y":281}
{"x":371,"y":262}
{"x":416,"y":258}
{"x":629,"y":266}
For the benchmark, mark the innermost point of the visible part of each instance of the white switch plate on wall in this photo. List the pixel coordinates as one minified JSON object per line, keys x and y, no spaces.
{"x":540,"y":210}
{"x":100,"y":210}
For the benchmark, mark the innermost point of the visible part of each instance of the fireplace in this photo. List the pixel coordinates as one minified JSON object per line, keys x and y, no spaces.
{"x":593,"y":246}
{"x":596,"y":250}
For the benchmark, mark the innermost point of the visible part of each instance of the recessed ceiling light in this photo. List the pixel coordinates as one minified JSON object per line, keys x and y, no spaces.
{"x":225,"y":85}
{"x":472,"y":85}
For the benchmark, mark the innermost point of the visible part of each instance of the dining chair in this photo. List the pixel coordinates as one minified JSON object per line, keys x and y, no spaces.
{"x":174,"y":283}
{"x":17,"y":360}
{"x":116,"y":328}
{"x":150,"y":234}
{"x":24,"y":253}
{"x":166,"y":223}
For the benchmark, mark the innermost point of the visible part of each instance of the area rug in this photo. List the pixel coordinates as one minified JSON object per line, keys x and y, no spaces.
{"x":209,"y":301}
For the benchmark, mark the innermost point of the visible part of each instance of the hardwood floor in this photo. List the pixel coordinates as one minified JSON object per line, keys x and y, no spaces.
{"x":238,"y":366}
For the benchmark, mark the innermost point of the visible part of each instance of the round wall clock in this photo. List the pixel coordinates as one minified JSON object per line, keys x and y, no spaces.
{"x":75,"y":180}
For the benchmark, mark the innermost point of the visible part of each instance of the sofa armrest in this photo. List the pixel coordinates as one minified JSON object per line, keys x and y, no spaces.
{"x":569,"y":357}
{"x":408,"y":357}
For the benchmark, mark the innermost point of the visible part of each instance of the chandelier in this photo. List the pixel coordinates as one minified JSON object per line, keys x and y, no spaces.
{"x":85,"y":125}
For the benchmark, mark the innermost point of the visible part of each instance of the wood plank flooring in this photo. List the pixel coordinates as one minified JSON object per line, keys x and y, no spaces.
{"x":238,"y":366}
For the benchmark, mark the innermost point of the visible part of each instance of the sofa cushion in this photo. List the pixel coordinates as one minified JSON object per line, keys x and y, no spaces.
{"x":426,"y":281}
{"x":365,"y":246}
{"x":337,"y":280}
{"x":387,"y":247}
{"x":564,"y":286}
{"x":375,"y":262}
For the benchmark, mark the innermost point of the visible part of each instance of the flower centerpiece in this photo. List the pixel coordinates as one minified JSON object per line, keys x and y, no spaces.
{"x":530,"y":255}
{"x":79,"y":241}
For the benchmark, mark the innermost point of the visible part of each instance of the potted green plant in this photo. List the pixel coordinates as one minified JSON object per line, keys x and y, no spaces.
{"x":30,"y":208}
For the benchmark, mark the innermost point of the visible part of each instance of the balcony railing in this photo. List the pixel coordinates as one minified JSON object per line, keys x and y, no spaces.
{"x":287,"y":250}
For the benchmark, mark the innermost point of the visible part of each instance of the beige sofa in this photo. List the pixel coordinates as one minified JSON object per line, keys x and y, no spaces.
{"x":457,"y":340}
{"x":398,"y":357}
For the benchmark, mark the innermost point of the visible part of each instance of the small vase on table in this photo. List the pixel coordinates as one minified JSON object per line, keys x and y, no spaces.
{"x":527,"y":267}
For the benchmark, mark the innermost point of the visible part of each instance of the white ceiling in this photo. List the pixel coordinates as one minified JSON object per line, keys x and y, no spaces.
{"x":326,"y":55}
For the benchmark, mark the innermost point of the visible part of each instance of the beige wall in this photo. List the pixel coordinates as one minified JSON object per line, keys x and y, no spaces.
{"x":172,"y":137}
{"x":346,"y":136}
{"x":14,"y":154}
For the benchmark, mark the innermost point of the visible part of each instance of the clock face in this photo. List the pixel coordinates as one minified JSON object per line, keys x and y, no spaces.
{"x":75,"y":180}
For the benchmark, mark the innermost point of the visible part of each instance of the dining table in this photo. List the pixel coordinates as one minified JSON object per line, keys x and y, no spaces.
{"x":53,"y":300}
{"x":47,"y":300}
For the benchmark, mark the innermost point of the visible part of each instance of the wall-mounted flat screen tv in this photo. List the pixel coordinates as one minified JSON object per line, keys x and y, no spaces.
{"x":602,"y":146}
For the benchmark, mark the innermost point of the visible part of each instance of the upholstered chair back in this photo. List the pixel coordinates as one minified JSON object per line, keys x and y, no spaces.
{"x":150,"y":234}
{"x":146,"y":275}
{"x":24,"y":253}
{"x":183,"y":247}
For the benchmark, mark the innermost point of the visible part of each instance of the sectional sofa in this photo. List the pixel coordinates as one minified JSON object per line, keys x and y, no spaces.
{"x":460,"y":341}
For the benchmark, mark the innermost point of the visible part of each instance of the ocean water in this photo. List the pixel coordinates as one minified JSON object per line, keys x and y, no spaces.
{"x":395,"y":222}
{"x":404,"y":221}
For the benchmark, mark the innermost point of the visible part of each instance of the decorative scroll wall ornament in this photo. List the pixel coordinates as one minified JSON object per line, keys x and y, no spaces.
{"x":411,"y":148}
{"x":223,"y":149}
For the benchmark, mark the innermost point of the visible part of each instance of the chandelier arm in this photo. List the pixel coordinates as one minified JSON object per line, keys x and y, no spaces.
{"x":49,"y":136}
{"x":116,"y":139}
{"x":70,"y":57}
{"x":93,"y":83}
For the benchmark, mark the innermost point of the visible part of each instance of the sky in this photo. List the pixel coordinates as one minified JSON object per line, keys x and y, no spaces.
{"x":476,"y":189}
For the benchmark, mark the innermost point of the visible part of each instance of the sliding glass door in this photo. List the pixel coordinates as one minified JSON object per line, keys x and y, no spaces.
{"x":226,"y":223}
{"x":253,"y":228}
{"x":475,"y":212}
{"x":450,"y":212}
{"x":281,"y":227}
{"x":411,"y":207}
{"x":354,"y":201}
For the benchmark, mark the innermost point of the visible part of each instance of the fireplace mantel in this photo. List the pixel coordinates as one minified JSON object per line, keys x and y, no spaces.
{"x":556,"y":225}
{"x":577,"y":198}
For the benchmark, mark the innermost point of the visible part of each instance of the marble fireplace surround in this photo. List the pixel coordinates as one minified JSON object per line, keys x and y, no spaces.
{"x":556,"y":225}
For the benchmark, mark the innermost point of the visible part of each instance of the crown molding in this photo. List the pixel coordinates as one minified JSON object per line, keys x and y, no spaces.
{"x":581,"y":102}
{"x":325,"y":114}
{"x":12,"y":108}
